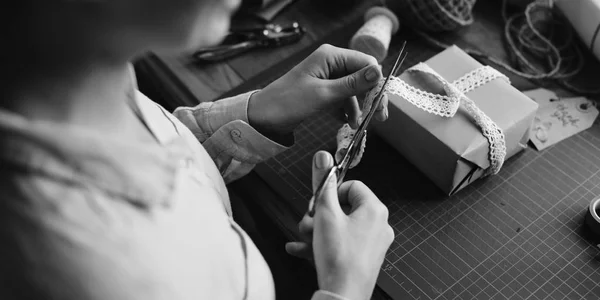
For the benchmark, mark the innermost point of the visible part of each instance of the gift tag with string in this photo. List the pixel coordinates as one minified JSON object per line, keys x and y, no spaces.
{"x":559,"y":118}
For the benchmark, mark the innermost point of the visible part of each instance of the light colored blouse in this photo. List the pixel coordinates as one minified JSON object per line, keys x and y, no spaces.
{"x":86,"y":216}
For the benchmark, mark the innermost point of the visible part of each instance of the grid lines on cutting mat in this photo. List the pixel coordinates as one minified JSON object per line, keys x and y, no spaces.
{"x":510,"y":236}
{"x":532,"y":287}
{"x":515,"y":235}
{"x":295,"y":165}
{"x":483,"y":280}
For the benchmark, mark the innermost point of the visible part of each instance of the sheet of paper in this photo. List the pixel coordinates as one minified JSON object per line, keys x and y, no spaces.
{"x":559,"y":118}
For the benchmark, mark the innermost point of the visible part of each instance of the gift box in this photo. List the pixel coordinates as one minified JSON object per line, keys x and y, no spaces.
{"x":450,"y":141}
{"x":584,"y":15}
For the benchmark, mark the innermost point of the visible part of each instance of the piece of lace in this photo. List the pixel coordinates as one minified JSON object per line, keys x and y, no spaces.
{"x":346,"y":133}
{"x":441,"y":105}
{"x":447,"y":105}
{"x":344,"y":137}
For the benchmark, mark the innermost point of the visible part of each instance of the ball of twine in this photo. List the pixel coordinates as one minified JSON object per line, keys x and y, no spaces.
{"x":541,"y":44}
{"x":435,"y":15}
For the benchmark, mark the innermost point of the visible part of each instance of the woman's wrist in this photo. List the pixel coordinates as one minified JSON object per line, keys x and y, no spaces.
{"x":344,"y":291}
{"x":346,"y":285}
{"x":263,"y":119}
{"x":327,"y":295}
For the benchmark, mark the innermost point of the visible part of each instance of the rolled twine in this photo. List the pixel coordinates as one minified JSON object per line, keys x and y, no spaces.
{"x":374,"y":36}
{"x":436,"y":15}
{"x":541,"y":44}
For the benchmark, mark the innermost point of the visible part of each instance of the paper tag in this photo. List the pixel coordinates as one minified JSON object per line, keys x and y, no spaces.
{"x":543,"y":97}
{"x":559,"y":118}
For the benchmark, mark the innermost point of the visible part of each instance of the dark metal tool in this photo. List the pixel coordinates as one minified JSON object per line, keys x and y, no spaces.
{"x":240,"y":41}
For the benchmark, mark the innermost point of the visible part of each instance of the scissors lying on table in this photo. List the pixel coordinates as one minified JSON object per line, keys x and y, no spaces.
{"x":342,"y":168}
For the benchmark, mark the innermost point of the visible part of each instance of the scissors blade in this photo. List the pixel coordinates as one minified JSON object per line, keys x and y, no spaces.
{"x":399,"y":60}
{"x":317,"y":194}
{"x":341,"y":169}
{"x":356,"y":143}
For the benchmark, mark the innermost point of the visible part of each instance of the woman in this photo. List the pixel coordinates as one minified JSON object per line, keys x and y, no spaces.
{"x":105,"y":195}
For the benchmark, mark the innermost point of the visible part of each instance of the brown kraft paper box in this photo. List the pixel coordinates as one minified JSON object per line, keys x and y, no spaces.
{"x":453,"y":152}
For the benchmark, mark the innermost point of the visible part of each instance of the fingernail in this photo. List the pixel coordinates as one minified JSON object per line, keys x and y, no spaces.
{"x":371,"y":74}
{"x":386,"y":113}
{"x":322,"y":160}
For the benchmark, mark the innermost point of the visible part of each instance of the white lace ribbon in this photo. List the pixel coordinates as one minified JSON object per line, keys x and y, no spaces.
{"x":447,"y":105}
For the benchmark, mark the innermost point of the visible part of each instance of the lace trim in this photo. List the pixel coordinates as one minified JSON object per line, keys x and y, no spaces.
{"x":444,"y":106}
{"x":447,"y":105}
{"x":477,"y":78}
{"x":346,"y":133}
{"x":344,"y":138}
{"x":441,"y":105}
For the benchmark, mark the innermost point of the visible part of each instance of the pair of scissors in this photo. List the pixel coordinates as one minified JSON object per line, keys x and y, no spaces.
{"x":342,"y":167}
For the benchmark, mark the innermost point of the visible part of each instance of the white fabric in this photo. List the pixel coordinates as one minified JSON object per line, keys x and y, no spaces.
{"x":344,"y":138}
{"x":346,"y":133}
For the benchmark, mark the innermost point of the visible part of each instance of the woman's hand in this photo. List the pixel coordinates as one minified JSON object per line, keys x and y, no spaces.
{"x":348,"y":245}
{"x":329,"y":78}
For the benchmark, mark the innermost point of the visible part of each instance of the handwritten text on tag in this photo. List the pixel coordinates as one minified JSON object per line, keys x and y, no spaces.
{"x":559,"y":118}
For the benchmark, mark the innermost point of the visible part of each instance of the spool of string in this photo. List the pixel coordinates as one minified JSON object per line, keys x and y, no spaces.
{"x":435,"y":15}
{"x":374,"y":36}
{"x":541,"y":44}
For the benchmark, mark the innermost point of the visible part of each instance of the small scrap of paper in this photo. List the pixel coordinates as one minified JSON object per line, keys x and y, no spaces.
{"x":559,"y":118}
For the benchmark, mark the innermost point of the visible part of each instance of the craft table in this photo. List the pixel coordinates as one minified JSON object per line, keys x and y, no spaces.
{"x":517,"y":235}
